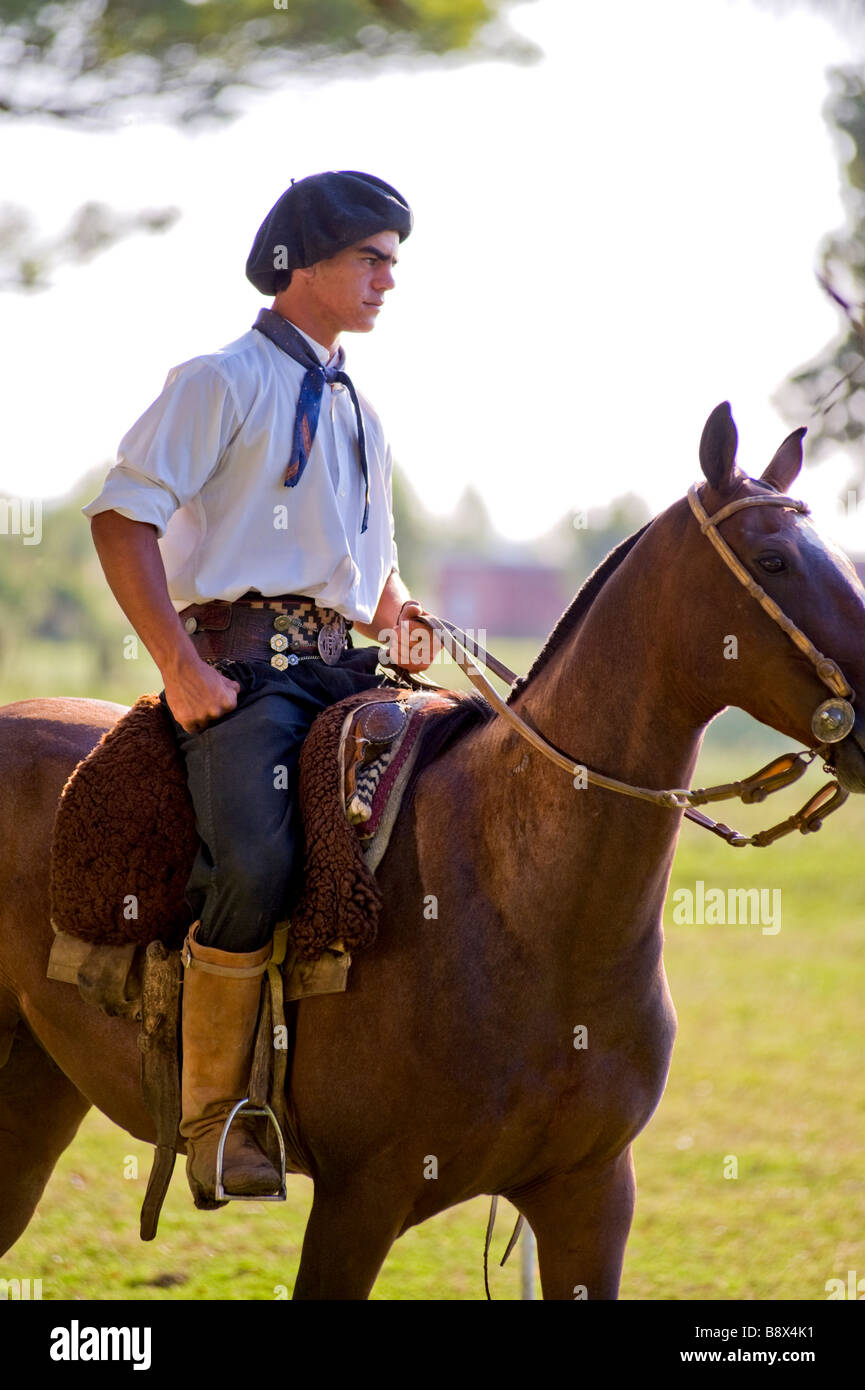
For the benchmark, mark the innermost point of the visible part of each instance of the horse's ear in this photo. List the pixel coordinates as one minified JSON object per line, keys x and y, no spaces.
{"x":718,"y":448}
{"x":784,"y":468}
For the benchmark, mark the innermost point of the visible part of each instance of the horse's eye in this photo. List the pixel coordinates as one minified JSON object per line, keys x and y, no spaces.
{"x":772,"y":564}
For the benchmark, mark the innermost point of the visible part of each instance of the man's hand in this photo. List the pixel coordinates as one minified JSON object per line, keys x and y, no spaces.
{"x":195,"y":692}
{"x":412,"y":645}
{"x":198,"y":694}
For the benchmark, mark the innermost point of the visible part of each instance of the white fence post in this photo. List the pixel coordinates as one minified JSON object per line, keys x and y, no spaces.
{"x":528,"y":1261}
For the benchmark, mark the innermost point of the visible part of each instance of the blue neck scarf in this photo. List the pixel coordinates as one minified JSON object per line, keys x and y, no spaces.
{"x":286,"y":337}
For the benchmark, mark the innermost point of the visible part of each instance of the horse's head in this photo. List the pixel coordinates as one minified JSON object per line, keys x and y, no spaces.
{"x":752,"y":658}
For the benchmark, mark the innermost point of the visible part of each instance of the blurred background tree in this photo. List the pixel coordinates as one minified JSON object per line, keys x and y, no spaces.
{"x":62,"y":632}
{"x":96,"y":63}
{"x":91,"y":59}
{"x":828,"y":392}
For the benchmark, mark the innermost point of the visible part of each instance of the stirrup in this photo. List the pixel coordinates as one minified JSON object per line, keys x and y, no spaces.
{"x":219,"y":1192}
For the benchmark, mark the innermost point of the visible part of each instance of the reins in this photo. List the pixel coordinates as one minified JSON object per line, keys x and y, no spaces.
{"x":830,"y":722}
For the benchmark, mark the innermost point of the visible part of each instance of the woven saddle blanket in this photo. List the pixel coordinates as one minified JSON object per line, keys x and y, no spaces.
{"x":125,"y":836}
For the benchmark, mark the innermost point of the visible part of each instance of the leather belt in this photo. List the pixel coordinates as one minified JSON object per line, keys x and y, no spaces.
{"x":284,"y":630}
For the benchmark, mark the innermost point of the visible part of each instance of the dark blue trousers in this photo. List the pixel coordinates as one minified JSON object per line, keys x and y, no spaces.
{"x":243,"y":774}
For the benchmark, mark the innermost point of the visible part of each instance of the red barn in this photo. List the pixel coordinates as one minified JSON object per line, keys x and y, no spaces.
{"x":504,"y":600}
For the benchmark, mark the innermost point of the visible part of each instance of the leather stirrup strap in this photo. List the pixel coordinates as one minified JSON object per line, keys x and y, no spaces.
{"x":160,"y":1072}
{"x":278,"y":1020}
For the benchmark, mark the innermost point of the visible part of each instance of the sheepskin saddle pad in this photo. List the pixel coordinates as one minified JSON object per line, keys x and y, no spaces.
{"x":125,"y":836}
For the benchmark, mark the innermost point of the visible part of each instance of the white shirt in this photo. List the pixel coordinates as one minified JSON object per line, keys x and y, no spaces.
{"x":206,"y":464}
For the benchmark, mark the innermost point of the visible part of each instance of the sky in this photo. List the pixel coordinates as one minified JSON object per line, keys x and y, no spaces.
{"x":607,"y":243}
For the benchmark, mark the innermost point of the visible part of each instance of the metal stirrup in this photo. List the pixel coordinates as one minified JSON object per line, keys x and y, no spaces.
{"x":220,"y":1192}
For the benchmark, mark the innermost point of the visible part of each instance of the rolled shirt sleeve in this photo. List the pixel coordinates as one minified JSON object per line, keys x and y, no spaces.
{"x":170,"y":452}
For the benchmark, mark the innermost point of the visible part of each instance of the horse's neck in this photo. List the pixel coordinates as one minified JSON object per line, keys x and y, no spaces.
{"x":610,"y":698}
{"x":615,"y":694}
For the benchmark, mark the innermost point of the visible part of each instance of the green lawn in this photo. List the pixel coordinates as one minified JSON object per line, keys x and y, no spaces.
{"x":767,"y":1071}
{"x":767,"y":1081}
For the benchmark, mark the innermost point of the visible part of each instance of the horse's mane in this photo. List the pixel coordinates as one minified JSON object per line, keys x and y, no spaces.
{"x":473,"y":709}
{"x":572,"y":615}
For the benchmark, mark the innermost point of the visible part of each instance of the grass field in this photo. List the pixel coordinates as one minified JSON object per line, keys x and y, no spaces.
{"x":767,"y":1081}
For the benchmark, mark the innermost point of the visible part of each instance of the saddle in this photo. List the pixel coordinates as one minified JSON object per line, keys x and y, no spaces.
{"x":124,"y":843}
{"x":125,"y":837}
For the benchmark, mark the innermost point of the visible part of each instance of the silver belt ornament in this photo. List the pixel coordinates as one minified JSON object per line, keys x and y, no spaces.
{"x":330,"y":642}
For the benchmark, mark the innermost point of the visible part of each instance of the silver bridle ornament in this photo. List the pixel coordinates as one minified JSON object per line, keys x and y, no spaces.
{"x":833,"y":720}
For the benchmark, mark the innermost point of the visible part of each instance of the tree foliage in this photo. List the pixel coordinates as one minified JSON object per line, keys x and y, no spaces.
{"x":831,"y":387}
{"x":27,"y":260}
{"x":90,"y":59}
{"x":94,"y":62}
{"x":60,"y":626}
{"x":829,"y":390}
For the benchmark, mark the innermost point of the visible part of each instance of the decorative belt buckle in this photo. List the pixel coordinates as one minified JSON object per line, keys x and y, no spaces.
{"x":331,"y":644}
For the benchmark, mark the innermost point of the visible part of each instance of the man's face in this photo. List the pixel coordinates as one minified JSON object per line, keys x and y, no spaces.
{"x":348,"y":289}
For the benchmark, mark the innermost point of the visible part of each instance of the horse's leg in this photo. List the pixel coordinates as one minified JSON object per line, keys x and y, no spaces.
{"x":40,"y":1111}
{"x":581,"y":1222}
{"x":349,"y":1233}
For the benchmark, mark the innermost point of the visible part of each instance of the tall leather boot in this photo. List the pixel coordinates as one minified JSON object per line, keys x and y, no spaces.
{"x":221,"y":995}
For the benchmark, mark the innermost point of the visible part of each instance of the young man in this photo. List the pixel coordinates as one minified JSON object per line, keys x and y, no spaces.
{"x":245,"y":527}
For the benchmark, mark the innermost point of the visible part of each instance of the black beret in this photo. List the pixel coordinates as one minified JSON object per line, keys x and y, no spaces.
{"x":319,"y":216}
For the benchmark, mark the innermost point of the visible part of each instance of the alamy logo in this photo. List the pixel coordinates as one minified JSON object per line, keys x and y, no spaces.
{"x":854,"y":1288}
{"x":76,"y":1343}
{"x":20,"y":1289}
{"x":738,"y":906}
{"x":21,"y":516}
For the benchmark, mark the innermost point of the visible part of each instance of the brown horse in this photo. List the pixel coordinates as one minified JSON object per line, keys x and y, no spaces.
{"x":520,"y":907}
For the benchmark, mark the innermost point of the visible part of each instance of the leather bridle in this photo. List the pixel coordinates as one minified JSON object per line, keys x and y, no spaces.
{"x":831,"y":721}
{"x":828,"y":670}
